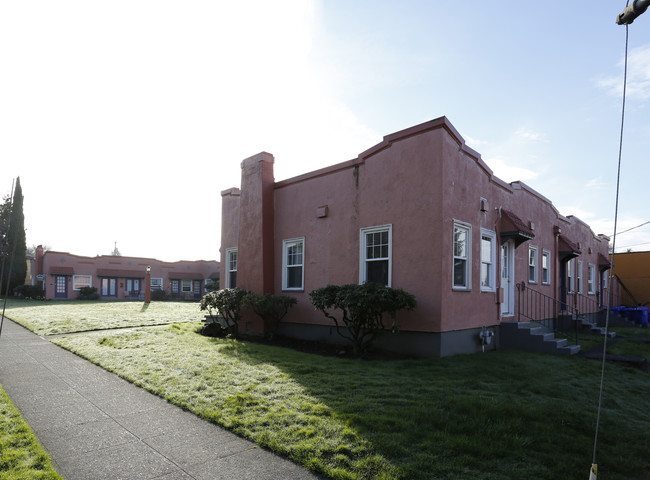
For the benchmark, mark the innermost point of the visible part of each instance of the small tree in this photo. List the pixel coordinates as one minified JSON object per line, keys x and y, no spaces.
{"x":362,"y":310}
{"x":88,"y":293}
{"x":227,"y":303}
{"x":271,"y":308}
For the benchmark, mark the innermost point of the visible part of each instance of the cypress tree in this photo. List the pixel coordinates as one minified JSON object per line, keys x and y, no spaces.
{"x":15,"y":244}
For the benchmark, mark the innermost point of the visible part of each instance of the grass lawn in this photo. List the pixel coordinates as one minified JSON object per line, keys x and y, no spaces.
{"x":498,"y":415}
{"x":21,"y":457}
{"x":52,"y":317}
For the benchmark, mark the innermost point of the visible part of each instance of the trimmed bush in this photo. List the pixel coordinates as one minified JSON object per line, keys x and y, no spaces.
{"x":362,"y":310}
{"x":34,"y":292}
{"x":270,"y":308}
{"x":228,"y":304}
{"x":88,"y":293}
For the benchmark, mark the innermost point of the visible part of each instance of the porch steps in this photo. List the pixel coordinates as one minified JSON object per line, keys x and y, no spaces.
{"x":532,"y":337}
{"x":594,"y":328}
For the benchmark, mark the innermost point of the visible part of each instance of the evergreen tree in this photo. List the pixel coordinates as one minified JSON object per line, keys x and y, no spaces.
{"x":14,"y":241}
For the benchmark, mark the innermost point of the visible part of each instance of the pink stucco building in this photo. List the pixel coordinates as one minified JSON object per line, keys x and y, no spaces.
{"x":420,"y":211}
{"x":120,"y":278}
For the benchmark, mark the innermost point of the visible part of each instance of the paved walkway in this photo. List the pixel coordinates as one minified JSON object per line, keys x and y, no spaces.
{"x":97,"y":426}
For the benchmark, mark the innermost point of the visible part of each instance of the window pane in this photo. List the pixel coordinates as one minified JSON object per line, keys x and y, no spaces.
{"x":460,"y":274}
{"x":294,"y":277}
{"x":377,"y":272}
{"x":233,"y":279}
{"x":486,"y":249}
{"x":485,"y":274}
{"x":460,"y":238}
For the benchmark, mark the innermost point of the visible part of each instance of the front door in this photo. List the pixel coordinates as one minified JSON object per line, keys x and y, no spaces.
{"x":60,"y":286}
{"x":507,"y":278}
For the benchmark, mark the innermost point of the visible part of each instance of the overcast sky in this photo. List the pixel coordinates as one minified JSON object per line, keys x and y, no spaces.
{"x":126,"y":119}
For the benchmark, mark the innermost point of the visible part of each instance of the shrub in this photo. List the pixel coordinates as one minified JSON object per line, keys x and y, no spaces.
{"x":362,"y":309}
{"x":158,"y":295}
{"x":34,"y":292}
{"x":270,"y":308}
{"x":227,"y":303}
{"x":88,"y":293}
{"x":214,"y":329}
{"x":212,"y":286}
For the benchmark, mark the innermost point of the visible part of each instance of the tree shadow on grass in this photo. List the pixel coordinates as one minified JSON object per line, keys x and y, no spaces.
{"x":479,"y":416}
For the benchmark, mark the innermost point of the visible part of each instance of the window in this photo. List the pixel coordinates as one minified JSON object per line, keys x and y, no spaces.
{"x":570,"y":275}
{"x":186,"y":286}
{"x":546,"y":267}
{"x":579,"y":276}
{"x":175,"y":285}
{"x":133,"y":286}
{"x":591,"y":279}
{"x":462,"y":256}
{"x":375,"y":257}
{"x":293,"y":260}
{"x":488,"y":260}
{"x":532,"y":264}
{"x":604,"y":280}
{"x":109,"y":287}
{"x":156,"y":284}
{"x":231,"y":267}
{"x":80,"y":281}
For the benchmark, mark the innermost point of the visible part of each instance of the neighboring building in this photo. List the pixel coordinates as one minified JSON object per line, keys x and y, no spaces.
{"x":419,"y":211}
{"x":120,"y":278}
{"x":633,"y":272}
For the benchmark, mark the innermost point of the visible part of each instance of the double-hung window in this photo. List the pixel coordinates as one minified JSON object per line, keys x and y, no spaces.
{"x":532,"y":264}
{"x":579,"y":276}
{"x":375,"y":256}
{"x":462,"y":258}
{"x":186,"y":286}
{"x":546,"y":267}
{"x":293,"y":264}
{"x":80,"y":281}
{"x":570,"y":275}
{"x":156,"y":284}
{"x":488,"y":260}
{"x":591,"y":279}
{"x":231,"y":267}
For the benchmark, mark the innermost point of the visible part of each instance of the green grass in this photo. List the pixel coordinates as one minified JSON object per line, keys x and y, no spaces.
{"x":499,"y":415}
{"x":55,"y":317}
{"x":21,"y":457}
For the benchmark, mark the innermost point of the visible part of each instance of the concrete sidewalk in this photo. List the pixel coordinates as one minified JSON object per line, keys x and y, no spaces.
{"x":97,"y":426}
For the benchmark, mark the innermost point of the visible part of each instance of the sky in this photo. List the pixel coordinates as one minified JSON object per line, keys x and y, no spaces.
{"x":126,"y":119}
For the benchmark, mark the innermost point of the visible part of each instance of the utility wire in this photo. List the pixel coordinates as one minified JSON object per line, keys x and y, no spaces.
{"x":609,"y":296}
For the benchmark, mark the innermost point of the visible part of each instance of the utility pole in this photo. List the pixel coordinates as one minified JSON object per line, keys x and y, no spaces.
{"x":629,"y":13}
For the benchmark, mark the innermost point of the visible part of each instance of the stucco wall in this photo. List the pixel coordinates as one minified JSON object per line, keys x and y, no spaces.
{"x":419,"y":181}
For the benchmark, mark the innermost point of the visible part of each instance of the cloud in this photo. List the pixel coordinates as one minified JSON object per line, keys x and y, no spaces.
{"x":508,"y":172}
{"x":528,"y":134}
{"x":596,"y":184}
{"x":638,"y":76}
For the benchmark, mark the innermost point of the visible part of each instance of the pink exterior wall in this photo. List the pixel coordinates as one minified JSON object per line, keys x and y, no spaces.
{"x":63,"y":264}
{"x":419,"y":181}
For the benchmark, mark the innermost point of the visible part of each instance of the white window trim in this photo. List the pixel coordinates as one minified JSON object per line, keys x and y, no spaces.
{"x":570,"y":272}
{"x":491,"y":287}
{"x":534,"y":264}
{"x":189,"y":282}
{"x":285,"y":278}
{"x":78,"y":287}
{"x":228,"y":269}
{"x":468,"y":264}
{"x":546,"y":253}
{"x":363,"y":251}
{"x":591,"y":279}
{"x":156,"y":283}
